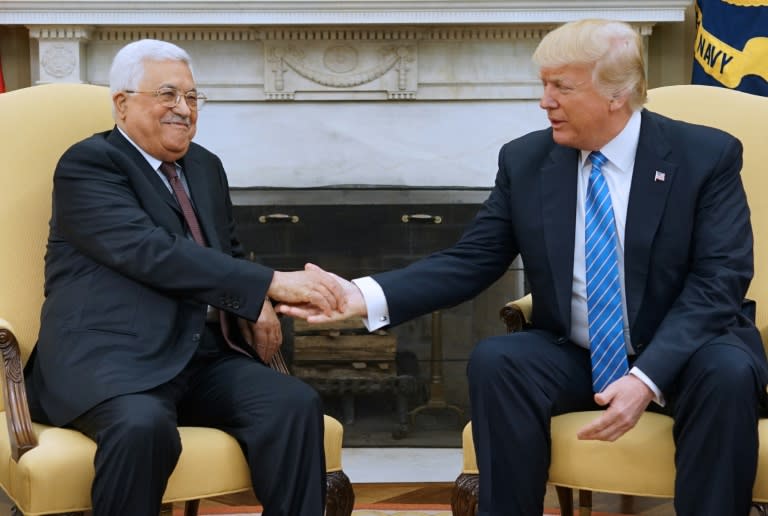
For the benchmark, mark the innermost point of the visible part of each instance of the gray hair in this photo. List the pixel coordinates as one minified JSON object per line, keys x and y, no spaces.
{"x":128,"y":65}
{"x":615,"y":48}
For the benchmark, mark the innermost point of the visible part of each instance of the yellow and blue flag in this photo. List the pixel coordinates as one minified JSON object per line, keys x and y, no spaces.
{"x":731,"y":47}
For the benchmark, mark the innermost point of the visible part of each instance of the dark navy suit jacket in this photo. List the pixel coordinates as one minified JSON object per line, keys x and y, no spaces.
{"x":126,"y":290}
{"x":688,"y":245}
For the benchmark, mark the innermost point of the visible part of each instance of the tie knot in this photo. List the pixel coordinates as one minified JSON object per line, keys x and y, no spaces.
{"x":168,"y":169}
{"x":598,"y":160}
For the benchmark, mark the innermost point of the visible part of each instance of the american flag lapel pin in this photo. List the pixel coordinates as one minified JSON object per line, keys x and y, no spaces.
{"x":659,"y":176}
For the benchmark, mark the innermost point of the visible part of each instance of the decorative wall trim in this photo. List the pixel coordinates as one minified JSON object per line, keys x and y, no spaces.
{"x":128,"y":33}
{"x":171,"y":33}
{"x":342,"y":33}
{"x":313,"y":12}
{"x":67,"y":33}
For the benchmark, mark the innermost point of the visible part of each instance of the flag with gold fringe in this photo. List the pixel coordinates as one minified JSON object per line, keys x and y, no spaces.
{"x":731,"y":48}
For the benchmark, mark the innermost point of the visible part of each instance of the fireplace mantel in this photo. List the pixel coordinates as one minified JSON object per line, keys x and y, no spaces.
{"x":328,"y":12}
{"x":318,"y":93}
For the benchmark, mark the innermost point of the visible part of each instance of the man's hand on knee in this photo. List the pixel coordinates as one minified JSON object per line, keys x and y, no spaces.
{"x":626,"y":400}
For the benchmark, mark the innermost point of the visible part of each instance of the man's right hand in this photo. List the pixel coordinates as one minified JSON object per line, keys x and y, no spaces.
{"x":312,"y":288}
{"x":353,"y":306}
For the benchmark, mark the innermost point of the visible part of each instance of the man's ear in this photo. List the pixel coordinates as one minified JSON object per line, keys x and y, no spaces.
{"x":119,"y":101}
{"x":618,"y":102}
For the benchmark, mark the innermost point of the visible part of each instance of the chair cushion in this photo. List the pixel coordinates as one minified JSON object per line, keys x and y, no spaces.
{"x":641,"y":462}
{"x":56,"y":476}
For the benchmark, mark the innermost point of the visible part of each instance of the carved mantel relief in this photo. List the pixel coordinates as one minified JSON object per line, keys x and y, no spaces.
{"x":389,"y":68}
{"x":61,"y":53}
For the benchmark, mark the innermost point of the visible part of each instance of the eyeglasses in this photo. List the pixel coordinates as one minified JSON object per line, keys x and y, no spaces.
{"x":170,"y":97}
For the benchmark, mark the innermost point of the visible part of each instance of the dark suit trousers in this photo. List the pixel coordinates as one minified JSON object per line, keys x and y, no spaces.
{"x":518,"y":382}
{"x":277,"y":419}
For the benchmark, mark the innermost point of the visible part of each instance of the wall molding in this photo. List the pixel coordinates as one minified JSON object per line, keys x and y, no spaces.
{"x":314,"y":12}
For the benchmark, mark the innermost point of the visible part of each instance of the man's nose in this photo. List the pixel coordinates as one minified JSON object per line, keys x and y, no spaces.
{"x":182,"y":108}
{"x":547,"y":101}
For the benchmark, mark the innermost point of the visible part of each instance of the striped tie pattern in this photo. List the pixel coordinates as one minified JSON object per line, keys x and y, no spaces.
{"x":606,"y":323}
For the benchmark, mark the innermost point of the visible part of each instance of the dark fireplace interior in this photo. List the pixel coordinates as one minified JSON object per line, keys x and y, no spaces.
{"x":418,"y":395}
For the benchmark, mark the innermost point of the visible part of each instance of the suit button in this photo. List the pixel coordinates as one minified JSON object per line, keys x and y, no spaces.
{"x":562,"y":340}
{"x":195,"y":337}
{"x":236,"y":305}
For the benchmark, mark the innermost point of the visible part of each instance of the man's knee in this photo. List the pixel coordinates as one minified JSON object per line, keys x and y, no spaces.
{"x":485,"y":356}
{"x":499,"y":354}
{"x":146,"y":429}
{"x":722,"y":372}
{"x":301,"y":398}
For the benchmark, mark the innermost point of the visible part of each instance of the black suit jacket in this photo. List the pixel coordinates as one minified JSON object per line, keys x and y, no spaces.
{"x":126,"y":290}
{"x":688,"y":245}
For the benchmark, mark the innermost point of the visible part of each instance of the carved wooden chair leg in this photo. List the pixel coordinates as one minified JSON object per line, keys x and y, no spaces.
{"x":340,"y":496}
{"x":565,"y":498}
{"x":464,"y":496}
{"x":191,"y":507}
{"x":585,"y":502}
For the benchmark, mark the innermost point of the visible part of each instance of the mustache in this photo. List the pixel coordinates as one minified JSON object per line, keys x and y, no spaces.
{"x":176,"y":119}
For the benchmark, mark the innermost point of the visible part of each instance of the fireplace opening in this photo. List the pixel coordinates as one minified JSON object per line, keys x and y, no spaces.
{"x":403,"y":386}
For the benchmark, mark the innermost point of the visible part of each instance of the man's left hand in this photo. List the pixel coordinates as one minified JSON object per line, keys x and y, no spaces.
{"x":265,"y":335}
{"x":626,"y":400}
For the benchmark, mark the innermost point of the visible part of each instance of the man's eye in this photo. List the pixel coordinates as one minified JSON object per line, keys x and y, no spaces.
{"x":191,"y":98}
{"x":167,"y":95}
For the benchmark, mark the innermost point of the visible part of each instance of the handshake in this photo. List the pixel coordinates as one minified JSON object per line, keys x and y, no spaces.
{"x":316,"y":295}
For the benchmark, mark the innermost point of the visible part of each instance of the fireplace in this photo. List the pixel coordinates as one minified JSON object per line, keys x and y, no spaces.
{"x":355,"y":232}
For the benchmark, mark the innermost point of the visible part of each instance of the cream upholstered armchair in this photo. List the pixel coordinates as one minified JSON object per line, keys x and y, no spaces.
{"x":642,"y":461}
{"x":49,"y":470}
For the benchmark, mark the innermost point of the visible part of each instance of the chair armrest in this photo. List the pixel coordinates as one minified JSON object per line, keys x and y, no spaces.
{"x":517,"y":314}
{"x":20,"y":433}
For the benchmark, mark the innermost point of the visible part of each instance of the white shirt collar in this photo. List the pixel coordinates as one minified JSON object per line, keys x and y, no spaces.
{"x":622,"y":149}
{"x":153,"y":161}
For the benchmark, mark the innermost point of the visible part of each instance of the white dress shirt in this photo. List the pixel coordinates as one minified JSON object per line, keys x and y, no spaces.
{"x":618,"y":174}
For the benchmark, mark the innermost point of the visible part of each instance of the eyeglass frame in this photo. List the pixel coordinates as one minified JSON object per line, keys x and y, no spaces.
{"x":199,"y":98}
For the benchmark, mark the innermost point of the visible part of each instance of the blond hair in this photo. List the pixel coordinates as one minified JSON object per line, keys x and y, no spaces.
{"x":614,"y":48}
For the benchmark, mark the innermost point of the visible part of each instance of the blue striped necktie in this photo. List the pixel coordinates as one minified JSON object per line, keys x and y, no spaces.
{"x":606,"y":322}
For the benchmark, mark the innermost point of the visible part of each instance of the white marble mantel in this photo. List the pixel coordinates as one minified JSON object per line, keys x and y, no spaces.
{"x":289,"y":12}
{"x":319,"y":92}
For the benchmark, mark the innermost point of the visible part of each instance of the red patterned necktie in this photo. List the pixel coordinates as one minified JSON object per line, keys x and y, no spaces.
{"x":169,"y":171}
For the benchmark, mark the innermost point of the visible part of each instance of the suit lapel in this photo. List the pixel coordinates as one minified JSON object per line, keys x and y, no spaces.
{"x":558,"y":194}
{"x":198,"y":180}
{"x":118,"y":140}
{"x":651,"y":183}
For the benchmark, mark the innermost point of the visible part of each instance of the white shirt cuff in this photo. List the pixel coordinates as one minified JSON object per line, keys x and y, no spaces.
{"x":658,"y":396}
{"x":375,"y":303}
